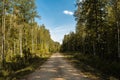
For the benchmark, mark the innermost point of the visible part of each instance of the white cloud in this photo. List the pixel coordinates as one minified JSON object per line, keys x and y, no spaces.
{"x":68,"y":12}
{"x":58,"y":33}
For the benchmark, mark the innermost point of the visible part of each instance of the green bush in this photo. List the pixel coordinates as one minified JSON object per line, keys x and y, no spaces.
{"x":111,"y":68}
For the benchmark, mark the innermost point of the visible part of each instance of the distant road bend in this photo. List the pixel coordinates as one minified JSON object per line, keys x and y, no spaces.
{"x":56,"y":68}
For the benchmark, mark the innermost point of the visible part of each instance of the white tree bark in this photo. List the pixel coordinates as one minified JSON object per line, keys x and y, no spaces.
{"x":14,"y":47}
{"x":20,"y":39}
{"x":32,"y":42}
{"x":32,"y":38}
{"x":3,"y":33}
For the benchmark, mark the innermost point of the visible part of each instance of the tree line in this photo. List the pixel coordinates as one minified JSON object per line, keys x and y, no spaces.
{"x":96,"y":40}
{"x":97,"y":29}
{"x":20,"y":34}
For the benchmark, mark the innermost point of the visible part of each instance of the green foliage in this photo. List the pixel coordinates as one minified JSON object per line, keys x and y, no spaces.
{"x":19,"y":66}
{"x":95,"y":65}
{"x":22,"y":40}
{"x":21,"y":32}
{"x":97,"y":35}
{"x":97,"y":32}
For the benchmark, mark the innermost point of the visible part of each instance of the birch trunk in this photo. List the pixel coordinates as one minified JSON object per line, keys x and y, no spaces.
{"x":32,"y":39}
{"x":20,"y":39}
{"x":32,"y":42}
{"x":3,"y":33}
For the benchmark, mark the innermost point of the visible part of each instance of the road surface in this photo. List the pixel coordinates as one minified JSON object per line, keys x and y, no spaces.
{"x":56,"y":68}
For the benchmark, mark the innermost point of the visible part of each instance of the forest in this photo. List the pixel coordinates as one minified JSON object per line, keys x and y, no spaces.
{"x":96,"y":40}
{"x":25,"y":44}
{"x":22,"y":40}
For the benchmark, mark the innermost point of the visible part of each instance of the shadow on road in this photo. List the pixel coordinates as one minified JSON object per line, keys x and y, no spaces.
{"x":56,"y":68}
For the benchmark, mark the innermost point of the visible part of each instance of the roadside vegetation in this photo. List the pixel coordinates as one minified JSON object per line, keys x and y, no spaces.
{"x":97,"y":36}
{"x":94,"y":67}
{"x":18,"y":67}
{"x":24,"y":45}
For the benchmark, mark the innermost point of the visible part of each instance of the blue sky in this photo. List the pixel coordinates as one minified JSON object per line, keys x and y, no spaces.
{"x":57,"y":16}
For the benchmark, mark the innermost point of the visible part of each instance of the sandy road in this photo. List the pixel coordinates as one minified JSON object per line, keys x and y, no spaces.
{"x":56,"y":68}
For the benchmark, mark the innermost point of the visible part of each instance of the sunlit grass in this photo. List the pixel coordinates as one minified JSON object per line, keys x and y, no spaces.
{"x":16,"y":70}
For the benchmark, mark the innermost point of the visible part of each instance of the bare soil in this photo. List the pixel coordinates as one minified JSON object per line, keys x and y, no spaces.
{"x":56,"y":68}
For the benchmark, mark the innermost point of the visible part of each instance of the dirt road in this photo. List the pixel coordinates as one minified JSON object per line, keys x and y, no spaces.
{"x":56,"y":68}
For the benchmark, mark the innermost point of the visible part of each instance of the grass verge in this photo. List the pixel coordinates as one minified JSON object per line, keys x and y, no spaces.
{"x":16,"y":71}
{"x":93,"y":67}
